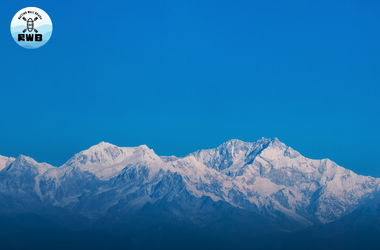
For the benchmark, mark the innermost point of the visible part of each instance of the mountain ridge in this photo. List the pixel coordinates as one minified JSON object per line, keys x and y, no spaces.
{"x":265,"y":177}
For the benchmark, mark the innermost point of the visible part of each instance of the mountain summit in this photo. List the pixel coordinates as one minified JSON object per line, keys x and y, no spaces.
{"x":105,"y":160}
{"x":266,"y":178}
{"x":5,"y":161}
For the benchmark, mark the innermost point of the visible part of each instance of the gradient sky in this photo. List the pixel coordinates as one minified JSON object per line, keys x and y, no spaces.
{"x":185,"y":75}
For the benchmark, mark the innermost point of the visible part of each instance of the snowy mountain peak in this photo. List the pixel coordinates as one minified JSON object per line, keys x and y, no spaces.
{"x":263,"y":141}
{"x":102,"y":146}
{"x":233,"y":145}
{"x":275,"y":143}
{"x":266,"y":176}
{"x":103,"y":143}
{"x":25,"y":160}
{"x":25,"y":164}
{"x":5,"y":161}
{"x":233,"y":142}
{"x":105,"y":159}
{"x":103,"y":153}
{"x":232,"y":154}
{"x":277,"y":150}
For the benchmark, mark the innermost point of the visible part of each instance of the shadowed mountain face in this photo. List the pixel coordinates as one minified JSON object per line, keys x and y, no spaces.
{"x":238,"y":191}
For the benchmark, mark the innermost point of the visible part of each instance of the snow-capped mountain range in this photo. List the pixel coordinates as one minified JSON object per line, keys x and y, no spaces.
{"x":266,"y":177}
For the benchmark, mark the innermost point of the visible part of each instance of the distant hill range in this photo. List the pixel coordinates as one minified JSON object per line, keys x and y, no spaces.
{"x":261,"y":195}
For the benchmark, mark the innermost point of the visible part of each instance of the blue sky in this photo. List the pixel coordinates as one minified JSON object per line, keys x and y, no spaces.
{"x":185,"y":75}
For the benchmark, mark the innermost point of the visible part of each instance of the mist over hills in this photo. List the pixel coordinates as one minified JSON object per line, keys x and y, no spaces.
{"x":263,"y":194}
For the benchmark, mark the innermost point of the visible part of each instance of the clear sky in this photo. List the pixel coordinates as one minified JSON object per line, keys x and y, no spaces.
{"x":185,"y":75}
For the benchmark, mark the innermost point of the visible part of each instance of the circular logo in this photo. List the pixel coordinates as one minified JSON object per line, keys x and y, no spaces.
{"x":31,"y":28}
